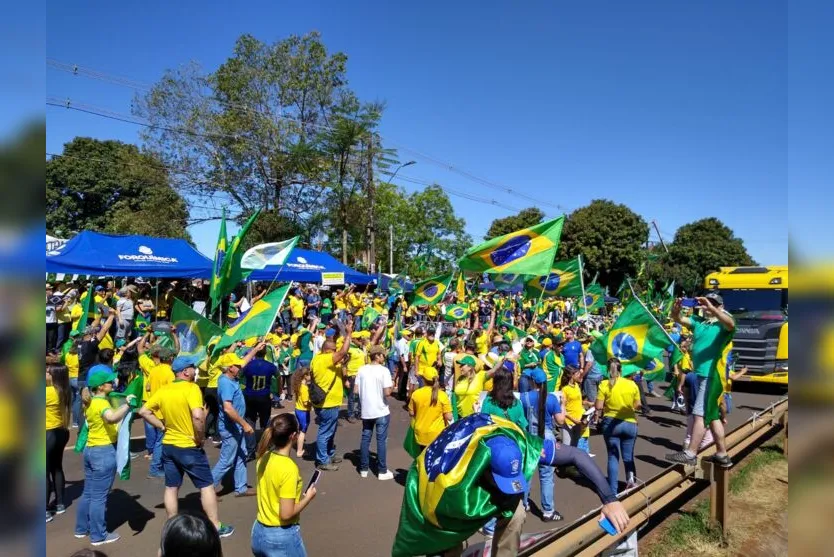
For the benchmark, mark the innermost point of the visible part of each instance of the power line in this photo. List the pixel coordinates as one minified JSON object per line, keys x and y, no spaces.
{"x":78,"y":70}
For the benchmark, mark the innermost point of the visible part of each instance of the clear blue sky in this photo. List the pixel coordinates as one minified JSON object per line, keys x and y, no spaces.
{"x":679,"y":110}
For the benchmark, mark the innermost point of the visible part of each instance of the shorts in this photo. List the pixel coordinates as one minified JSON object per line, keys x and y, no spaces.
{"x":177,"y":461}
{"x":303,"y":419}
{"x":700,"y":397}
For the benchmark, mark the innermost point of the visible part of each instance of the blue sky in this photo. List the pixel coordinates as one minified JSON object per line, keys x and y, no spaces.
{"x":678,"y":110}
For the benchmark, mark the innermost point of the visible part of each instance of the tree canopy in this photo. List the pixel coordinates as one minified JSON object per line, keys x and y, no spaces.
{"x":525,"y":218}
{"x":110,"y":186}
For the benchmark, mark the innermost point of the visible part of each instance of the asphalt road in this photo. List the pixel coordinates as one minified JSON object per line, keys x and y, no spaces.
{"x":351,"y":515}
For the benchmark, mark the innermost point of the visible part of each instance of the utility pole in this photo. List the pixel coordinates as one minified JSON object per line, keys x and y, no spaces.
{"x":662,"y":243}
{"x":371,"y":224}
{"x":391,"y":249}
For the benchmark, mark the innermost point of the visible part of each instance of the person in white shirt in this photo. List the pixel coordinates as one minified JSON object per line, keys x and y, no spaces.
{"x":373,"y":385}
{"x":318,"y":338}
{"x":400,"y":379}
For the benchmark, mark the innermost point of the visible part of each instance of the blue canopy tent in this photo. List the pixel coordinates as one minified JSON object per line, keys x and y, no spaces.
{"x":305,"y":265}
{"x":96,"y":254}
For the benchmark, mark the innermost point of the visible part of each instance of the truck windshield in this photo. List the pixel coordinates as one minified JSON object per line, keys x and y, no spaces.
{"x":765,"y":304}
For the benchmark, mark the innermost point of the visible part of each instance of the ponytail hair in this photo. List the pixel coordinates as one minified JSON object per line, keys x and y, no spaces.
{"x":278,"y":433}
{"x":435,"y":390}
{"x":614,"y":370}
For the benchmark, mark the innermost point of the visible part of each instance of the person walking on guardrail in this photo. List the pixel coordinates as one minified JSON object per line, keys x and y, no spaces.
{"x":618,"y":400}
{"x":710,"y":336}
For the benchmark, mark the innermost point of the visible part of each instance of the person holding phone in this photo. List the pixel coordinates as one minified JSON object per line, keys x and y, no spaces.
{"x":276,"y":531}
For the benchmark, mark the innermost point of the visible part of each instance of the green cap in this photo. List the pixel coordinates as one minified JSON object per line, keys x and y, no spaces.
{"x":99,"y":375}
{"x":467,"y":361}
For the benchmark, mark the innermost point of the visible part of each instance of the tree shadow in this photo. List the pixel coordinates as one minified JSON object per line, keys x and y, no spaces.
{"x":661,"y":442}
{"x":123,"y":507}
{"x":663,"y":422}
{"x":659,"y":462}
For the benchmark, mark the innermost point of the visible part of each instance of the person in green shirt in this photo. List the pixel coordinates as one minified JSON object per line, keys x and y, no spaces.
{"x":528,"y":358}
{"x":501,"y":401}
{"x":554,"y":363}
{"x":710,"y":336}
{"x":326,"y":310}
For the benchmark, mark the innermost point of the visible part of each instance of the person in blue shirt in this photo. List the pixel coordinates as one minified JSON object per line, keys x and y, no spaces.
{"x":313,"y":302}
{"x":232,"y":425}
{"x":543,"y":407}
{"x":572,"y":351}
{"x":258,"y":376}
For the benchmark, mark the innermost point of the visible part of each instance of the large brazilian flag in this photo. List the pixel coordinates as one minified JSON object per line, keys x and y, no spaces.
{"x":193,"y":330}
{"x":444,"y":503}
{"x":636,"y":339}
{"x":431,"y":291}
{"x":563,"y":280}
{"x":256,"y":322}
{"x":529,"y":251}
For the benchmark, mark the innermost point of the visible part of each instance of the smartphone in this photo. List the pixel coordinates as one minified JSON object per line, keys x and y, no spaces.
{"x":689,"y":302}
{"x":606,"y":525}
{"x":314,"y":480}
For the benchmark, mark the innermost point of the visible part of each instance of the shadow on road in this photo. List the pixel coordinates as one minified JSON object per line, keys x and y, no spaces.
{"x":661,"y":442}
{"x":663,"y":422}
{"x":123,"y":507}
{"x":654,"y":461}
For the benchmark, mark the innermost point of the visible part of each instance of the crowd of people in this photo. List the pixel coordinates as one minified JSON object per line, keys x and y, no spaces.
{"x":522,"y":361}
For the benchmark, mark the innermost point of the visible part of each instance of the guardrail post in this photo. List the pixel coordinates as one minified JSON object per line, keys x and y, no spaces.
{"x":719,"y":495}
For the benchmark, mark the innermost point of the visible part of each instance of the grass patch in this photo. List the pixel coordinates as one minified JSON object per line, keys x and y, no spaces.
{"x":693,"y":530}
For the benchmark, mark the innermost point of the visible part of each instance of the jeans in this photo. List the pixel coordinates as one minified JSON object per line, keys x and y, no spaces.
{"x":153,"y":444}
{"x":619,"y":437}
{"x":590,"y":385}
{"x":328,"y":421}
{"x":232,"y":455}
{"x":368,"y":426}
{"x":275,"y":541}
{"x":76,"y":401}
{"x":352,"y":399}
{"x":546,"y":481}
{"x":99,"y":474}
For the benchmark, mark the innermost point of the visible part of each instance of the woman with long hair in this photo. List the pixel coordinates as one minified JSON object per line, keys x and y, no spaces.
{"x":430,"y":409}
{"x":470,"y":382}
{"x":303,"y":406}
{"x":280,"y":502}
{"x":618,"y":401}
{"x":58,"y":413}
{"x":575,"y":432}
{"x":501,"y":400}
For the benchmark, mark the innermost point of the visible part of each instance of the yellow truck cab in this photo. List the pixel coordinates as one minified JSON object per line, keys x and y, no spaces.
{"x":757,"y":297}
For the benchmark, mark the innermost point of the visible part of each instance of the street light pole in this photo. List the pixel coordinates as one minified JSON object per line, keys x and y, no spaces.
{"x":372,"y":234}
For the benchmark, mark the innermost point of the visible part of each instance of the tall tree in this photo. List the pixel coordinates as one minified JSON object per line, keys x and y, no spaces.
{"x":526,"y":217}
{"x":610,"y":238}
{"x":701,"y":247}
{"x":111,"y":186}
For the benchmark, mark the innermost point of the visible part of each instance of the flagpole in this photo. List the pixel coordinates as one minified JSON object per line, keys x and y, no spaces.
{"x":662,"y":328}
{"x":582,"y":284}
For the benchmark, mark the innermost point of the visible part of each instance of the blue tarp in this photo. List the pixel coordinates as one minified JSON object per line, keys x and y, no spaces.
{"x":96,"y":254}
{"x":304,"y":265}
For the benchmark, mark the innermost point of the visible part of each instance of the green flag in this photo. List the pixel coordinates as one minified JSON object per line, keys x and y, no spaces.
{"x":431,"y":291}
{"x":368,"y":317}
{"x":233,"y":273}
{"x":636,"y":339}
{"x":216,"y":288}
{"x":563,"y":280}
{"x":529,"y":251}
{"x":193,"y":330}
{"x":256,"y":322}
{"x":87,"y":304}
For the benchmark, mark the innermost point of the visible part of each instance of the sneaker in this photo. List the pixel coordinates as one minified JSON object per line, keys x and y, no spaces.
{"x":49,"y":517}
{"x":722,"y":461}
{"x":551,"y":516}
{"x":60,"y":509}
{"x":337,"y":460}
{"x":681,"y":457}
{"x":632,"y":483}
{"x":155,"y":476}
{"x":387,"y":475}
{"x":248,"y":493}
{"x":350,"y":419}
{"x":327,"y":467}
{"x":225,"y":530}
{"x":74,"y":426}
{"x":80,"y":536}
{"x":111,"y":537}
{"x":363,"y":474}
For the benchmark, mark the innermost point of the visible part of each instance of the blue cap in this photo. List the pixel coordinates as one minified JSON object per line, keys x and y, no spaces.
{"x":99,"y":288}
{"x":538,"y":376}
{"x":509,"y":366}
{"x":330,"y":332}
{"x":506,"y":464}
{"x":182,"y":362}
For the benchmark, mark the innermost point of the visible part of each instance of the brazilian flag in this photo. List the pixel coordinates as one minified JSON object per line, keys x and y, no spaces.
{"x":217,"y":286}
{"x":594,"y":300}
{"x":193,"y":330}
{"x":655,"y":370}
{"x":636,"y":339}
{"x":87,"y":306}
{"x":258,"y":320}
{"x":507,"y":282}
{"x":563,"y":280}
{"x":368,"y":317}
{"x":443,"y":503}
{"x":529,"y":251}
{"x":431,"y":291}
{"x":456,"y":312}
{"x":142,"y":324}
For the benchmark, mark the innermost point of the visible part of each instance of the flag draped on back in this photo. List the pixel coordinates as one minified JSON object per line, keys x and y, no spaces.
{"x":444,"y":503}
{"x":717,"y":383}
{"x":264,"y":255}
{"x":193,"y":330}
{"x":216,"y":287}
{"x":258,"y":320}
{"x":233,"y":273}
{"x":563,"y":280}
{"x":431,"y":291}
{"x":636,"y":339}
{"x":529,"y":251}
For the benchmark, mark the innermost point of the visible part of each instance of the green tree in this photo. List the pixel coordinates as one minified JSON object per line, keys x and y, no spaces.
{"x":610,"y":238}
{"x":701,"y":247}
{"x":111,"y":186}
{"x":526,"y":217}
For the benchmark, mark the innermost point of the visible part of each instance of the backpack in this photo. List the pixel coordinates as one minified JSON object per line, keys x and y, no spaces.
{"x":317,"y":394}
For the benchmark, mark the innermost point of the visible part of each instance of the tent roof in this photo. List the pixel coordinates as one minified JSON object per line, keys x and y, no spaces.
{"x":97,"y":254}
{"x":304,"y":265}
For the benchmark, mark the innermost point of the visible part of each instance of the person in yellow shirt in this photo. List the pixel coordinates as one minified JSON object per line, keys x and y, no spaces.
{"x":99,"y":456}
{"x":327,"y":374}
{"x":618,"y":400}
{"x":58,"y":409}
{"x":575,"y":431}
{"x":470,"y":383}
{"x":159,"y":376}
{"x":279,"y":489}
{"x":303,"y":406}
{"x":183,"y":423}
{"x":430,"y":409}
{"x":428,"y":354}
{"x":296,"y":310}
{"x":356,"y":358}
{"x":72,"y":363}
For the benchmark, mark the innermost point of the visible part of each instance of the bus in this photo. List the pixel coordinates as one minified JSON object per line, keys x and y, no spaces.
{"x":757,"y":297}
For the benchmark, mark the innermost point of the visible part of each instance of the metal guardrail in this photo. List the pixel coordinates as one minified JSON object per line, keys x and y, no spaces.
{"x":584,"y":536}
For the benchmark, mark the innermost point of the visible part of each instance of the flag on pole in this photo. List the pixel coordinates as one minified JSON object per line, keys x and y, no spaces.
{"x":233,"y":273}
{"x":264,"y":255}
{"x":456,"y":312}
{"x":258,"y":320}
{"x":636,"y":339}
{"x":563,"y":280}
{"x":460,"y":288}
{"x":529,"y":251}
{"x":431,"y":291}
{"x":216,"y":288}
{"x":594,"y":299}
{"x":87,"y":304}
{"x":193,"y":330}
{"x":508,"y":282}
